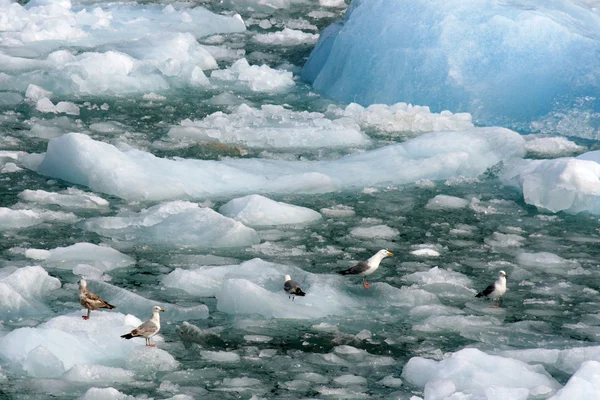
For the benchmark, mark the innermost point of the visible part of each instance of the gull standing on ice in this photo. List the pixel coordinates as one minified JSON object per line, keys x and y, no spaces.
{"x":148,"y":328}
{"x":495,"y":290}
{"x":90,"y":300}
{"x":365,"y":268}
{"x":292,"y":288}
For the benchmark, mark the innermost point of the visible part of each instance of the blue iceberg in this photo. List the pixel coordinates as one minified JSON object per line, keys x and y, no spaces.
{"x":516,"y":63}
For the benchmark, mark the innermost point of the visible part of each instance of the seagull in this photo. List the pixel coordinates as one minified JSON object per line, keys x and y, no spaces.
{"x":148,"y":328}
{"x":90,"y":300}
{"x":495,"y":290}
{"x":292,"y":288}
{"x":365,"y":268}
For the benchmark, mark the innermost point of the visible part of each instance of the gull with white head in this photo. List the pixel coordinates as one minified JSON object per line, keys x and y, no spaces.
{"x":367,"y":267}
{"x":148,"y":328}
{"x":495,"y":290}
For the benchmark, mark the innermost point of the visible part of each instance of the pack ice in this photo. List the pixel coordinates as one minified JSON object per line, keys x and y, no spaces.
{"x":504,"y":62}
{"x":138,"y":175}
{"x":23,"y":291}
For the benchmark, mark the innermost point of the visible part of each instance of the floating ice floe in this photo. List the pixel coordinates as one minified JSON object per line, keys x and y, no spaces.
{"x":286,"y":37}
{"x":472,"y":371}
{"x":256,"y":78}
{"x":584,"y":384}
{"x":551,"y":147}
{"x":402,"y":118}
{"x":177,"y":223}
{"x":17,"y":219}
{"x":271,"y":126}
{"x":23,"y":291}
{"x":69,"y":198}
{"x":463,"y":56}
{"x":570,"y":184}
{"x":72,"y":342}
{"x":134,"y":174}
{"x":257,"y":210}
{"x":256,"y":287}
{"x":100,"y":258}
{"x":445,"y":202}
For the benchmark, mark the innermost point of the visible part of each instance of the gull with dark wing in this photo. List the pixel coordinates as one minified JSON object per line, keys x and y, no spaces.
{"x":90,"y":300}
{"x":495,"y":290}
{"x":292,"y":288}
{"x":365,"y":268}
{"x":148,"y":328}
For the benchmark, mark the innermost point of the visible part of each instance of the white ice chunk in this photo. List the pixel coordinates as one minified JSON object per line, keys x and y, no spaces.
{"x":257,"y":78}
{"x":134,"y":174}
{"x":177,"y":223}
{"x":583,"y":385}
{"x":104,"y":394}
{"x":70,"y":198}
{"x":472,"y":371}
{"x":16,"y":219}
{"x":73,"y":340}
{"x":146,"y":360}
{"x":271,"y":126}
{"x":41,"y":363}
{"x":35,"y":93}
{"x":563,"y":184}
{"x":552,"y":147}
{"x":286,"y":37}
{"x":350,"y":380}
{"x":374,"y":232}
{"x":97,"y":374}
{"x":257,"y":210}
{"x":570,"y":360}
{"x":102,"y":257}
{"x":22,"y":291}
{"x":402,"y":119}
{"x":220,"y":356}
{"x":547,"y":262}
{"x":444,"y":202}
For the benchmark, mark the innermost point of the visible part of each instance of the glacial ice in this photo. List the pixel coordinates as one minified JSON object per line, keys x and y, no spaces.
{"x":473,"y":371}
{"x":271,"y":126}
{"x":102,"y":258}
{"x":132,"y":56}
{"x":177,"y":223}
{"x":402,"y":119}
{"x":481,"y":57}
{"x":146,"y":360}
{"x":70,"y":198}
{"x":550,"y":147}
{"x":134,"y":174}
{"x":570,"y":184}
{"x":98,"y":374}
{"x":445,"y":202}
{"x":584,"y":384}
{"x":257,"y":78}
{"x":41,"y":363}
{"x":17,"y":219}
{"x":108,"y":393}
{"x":286,"y":37}
{"x":23,"y":291}
{"x":256,"y":210}
{"x":71,"y":340}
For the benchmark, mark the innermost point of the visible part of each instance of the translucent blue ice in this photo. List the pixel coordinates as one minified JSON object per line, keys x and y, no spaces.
{"x":506,"y":62}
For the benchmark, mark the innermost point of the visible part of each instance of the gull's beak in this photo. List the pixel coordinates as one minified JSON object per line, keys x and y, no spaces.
{"x":390,"y":254}
{"x":161,"y":310}
{"x":506,"y":275}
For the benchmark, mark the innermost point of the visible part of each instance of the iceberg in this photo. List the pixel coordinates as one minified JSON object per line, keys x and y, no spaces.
{"x":584,"y":384}
{"x":507,"y":63}
{"x":137,"y":175}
